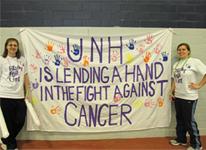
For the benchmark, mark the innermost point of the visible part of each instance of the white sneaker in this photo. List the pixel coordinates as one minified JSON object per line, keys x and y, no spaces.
{"x":191,"y":148}
{"x":3,"y":146}
{"x":174,"y":142}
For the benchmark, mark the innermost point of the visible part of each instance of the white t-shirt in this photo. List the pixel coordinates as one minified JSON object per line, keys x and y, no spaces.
{"x":12,"y":71}
{"x":184,"y":72}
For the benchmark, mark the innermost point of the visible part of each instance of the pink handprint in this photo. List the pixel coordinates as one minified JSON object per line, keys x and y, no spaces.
{"x":33,"y":68}
{"x":62,"y":49}
{"x":141,"y":48}
{"x":115,"y":55}
{"x":157,"y":49}
{"x":65,"y":62}
{"x":149,"y":39}
{"x":37,"y":55}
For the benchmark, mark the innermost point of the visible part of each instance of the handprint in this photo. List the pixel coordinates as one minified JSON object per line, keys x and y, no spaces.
{"x":62,"y":49}
{"x":149,"y":39}
{"x":49,"y":46}
{"x":58,"y":59}
{"x":37,"y":55}
{"x":149,"y":103}
{"x":55,"y":110}
{"x":76,"y":49}
{"x":35,"y":84}
{"x":157,"y":49}
{"x":141,"y":48}
{"x":160,"y":101}
{"x":65,"y":62}
{"x":33,"y":68}
{"x":46,"y":59}
{"x":137,"y":104}
{"x":131,"y":44}
{"x":117,"y":98}
{"x":115,"y":55}
{"x":147,"y":57}
{"x":164,"y":56}
{"x":85,"y":61}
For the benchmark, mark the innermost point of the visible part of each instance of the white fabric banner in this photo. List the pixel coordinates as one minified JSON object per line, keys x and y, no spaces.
{"x":84,"y":83}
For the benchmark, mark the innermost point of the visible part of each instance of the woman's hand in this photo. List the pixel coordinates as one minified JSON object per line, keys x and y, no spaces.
{"x":171,"y":97}
{"x":194,"y":86}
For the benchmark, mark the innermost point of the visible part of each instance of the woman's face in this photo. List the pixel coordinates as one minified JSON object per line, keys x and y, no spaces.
{"x":12,"y":47}
{"x":183,"y":52}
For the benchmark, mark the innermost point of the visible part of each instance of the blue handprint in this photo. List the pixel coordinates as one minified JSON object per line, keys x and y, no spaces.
{"x":131,"y":44}
{"x":76,"y":49}
{"x":57,"y":60}
{"x":164,"y":56}
{"x":35,"y":84}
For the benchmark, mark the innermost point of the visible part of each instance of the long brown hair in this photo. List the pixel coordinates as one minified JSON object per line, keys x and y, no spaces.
{"x":5,"y":53}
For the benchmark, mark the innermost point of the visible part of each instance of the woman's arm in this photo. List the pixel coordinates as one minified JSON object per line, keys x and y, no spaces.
{"x":197,"y":86}
{"x":172,"y":90}
{"x":27,"y":87}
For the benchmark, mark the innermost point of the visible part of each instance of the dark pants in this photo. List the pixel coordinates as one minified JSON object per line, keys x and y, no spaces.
{"x":14,"y":112}
{"x":185,"y":111}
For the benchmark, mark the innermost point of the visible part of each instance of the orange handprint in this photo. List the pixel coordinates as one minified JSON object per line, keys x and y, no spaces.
{"x":85,"y":61}
{"x":147,"y":57}
{"x":55,"y":110}
{"x":49,"y":46}
{"x":117,"y":98}
{"x":160,"y":101}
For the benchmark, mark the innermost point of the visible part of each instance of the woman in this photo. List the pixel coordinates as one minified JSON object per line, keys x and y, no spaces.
{"x":184,"y":93}
{"x":14,"y":83}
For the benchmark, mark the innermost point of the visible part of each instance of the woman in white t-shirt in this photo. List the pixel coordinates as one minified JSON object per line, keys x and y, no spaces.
{"x":14,"y":83}
{"x":184,"y":93}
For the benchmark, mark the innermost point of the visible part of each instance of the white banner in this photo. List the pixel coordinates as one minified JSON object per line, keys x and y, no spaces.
{"x":84,"y":83}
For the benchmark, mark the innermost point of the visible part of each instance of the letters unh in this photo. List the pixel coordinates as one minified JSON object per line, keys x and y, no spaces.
{"x":75,"y":51}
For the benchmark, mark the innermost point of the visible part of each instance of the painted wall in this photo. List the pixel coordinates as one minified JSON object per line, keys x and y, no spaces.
{"x":195,"y":37}
{"x":104,"y":13}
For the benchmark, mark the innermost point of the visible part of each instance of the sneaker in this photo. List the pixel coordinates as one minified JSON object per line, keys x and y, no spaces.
{"x":3,"y":146}
{"x":175,"y":142}
{"x":191,"y":148}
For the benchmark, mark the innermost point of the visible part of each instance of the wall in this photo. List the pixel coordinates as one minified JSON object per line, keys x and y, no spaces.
{"x":195,"y":37}
{"x":104,"y":13}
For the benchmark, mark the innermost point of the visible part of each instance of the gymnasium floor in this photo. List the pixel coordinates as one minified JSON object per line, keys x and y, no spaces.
{"x":114,"y":144}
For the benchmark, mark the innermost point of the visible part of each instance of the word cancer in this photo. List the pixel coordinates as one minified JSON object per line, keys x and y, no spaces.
{"x":97,"y":115}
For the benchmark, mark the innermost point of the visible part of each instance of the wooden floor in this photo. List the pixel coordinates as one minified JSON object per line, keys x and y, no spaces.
{"x":118,"y":144}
